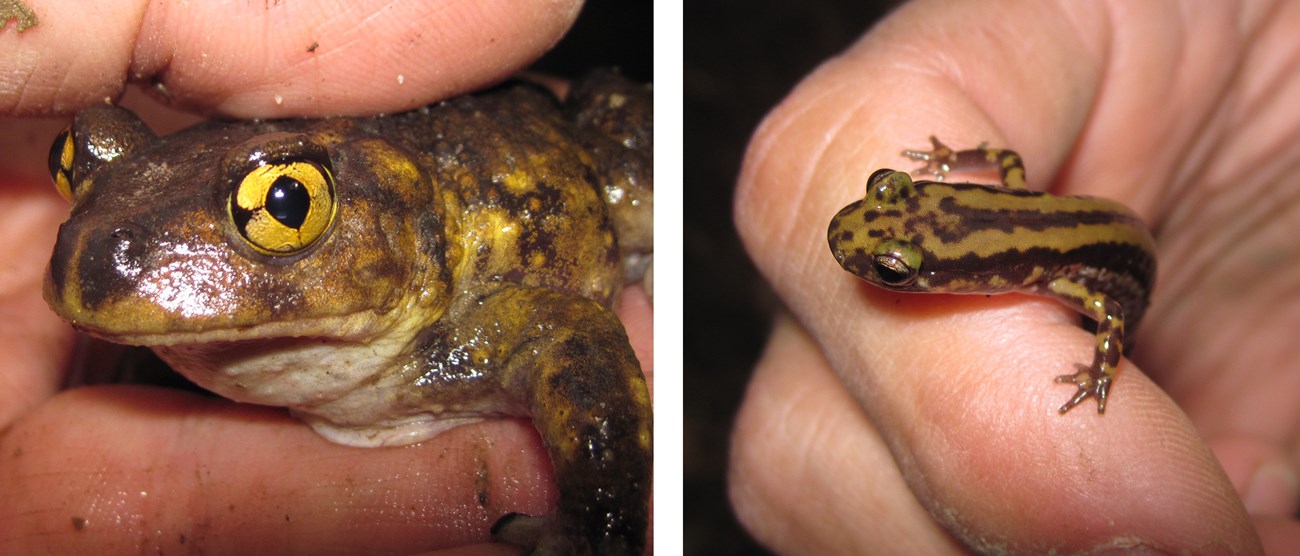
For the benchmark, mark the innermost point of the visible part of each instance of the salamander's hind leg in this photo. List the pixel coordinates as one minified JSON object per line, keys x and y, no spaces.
{"x":1090,"y":386}
{"x":1093,"y":380}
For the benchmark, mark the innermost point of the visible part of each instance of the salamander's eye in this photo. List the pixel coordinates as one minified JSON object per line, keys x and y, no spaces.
{"x":284,"y":208}
{"x":60,"y":161}
{"x":878,"y":175}
{"x":896,"y":262}
{"x":886,"y":188}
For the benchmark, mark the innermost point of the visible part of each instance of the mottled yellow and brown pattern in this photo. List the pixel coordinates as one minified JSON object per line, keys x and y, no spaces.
{"x":390,"y":277}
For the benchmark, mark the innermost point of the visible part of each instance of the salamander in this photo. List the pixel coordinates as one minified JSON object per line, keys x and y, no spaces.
{"x":1094,"y":255}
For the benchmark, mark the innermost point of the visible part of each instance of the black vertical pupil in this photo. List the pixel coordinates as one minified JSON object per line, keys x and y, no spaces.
{"x":56,"y":154}
{"x":288,"y":201}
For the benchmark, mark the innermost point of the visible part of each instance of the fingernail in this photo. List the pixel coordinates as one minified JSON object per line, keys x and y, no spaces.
{"x":1273,"y":490}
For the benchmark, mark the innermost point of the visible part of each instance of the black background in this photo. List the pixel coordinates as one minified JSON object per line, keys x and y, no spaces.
{"x":741,"y":59}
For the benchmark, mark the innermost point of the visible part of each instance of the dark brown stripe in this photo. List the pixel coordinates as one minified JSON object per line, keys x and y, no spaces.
{"x":1129,"y":270}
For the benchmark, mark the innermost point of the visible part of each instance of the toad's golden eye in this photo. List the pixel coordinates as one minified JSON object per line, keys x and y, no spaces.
{"x":61,"y":155}
{"x":284,"y":208}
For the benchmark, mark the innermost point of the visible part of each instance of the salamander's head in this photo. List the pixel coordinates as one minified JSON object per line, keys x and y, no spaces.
{"x":868,"y":236}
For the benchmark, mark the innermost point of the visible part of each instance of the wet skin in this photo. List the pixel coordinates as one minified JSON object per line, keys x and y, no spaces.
{"x":388,"y":278}
{"x":1094,"y":255}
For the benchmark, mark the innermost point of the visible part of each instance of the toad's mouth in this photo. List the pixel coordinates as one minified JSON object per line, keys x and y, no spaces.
{"x":364,"y":326}
{"x":137,"y":321}
{"x":141,"y":320}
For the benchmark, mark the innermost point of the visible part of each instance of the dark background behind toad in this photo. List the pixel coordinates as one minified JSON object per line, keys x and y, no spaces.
{"x":741,"y":58}
{"x":606,"y":33}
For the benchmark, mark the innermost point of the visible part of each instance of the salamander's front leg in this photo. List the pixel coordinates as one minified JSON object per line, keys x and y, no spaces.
{"x":1094,"y":380}
{"x":941,"y":160}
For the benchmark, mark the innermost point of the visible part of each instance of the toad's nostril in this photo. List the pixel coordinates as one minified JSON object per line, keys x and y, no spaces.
{"x":99,"y":261}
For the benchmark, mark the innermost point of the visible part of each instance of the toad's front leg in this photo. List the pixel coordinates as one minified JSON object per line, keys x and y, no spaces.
{"x":574,"y":370}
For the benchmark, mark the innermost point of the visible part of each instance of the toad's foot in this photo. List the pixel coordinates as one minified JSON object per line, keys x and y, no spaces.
{"x":541,"y":536}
